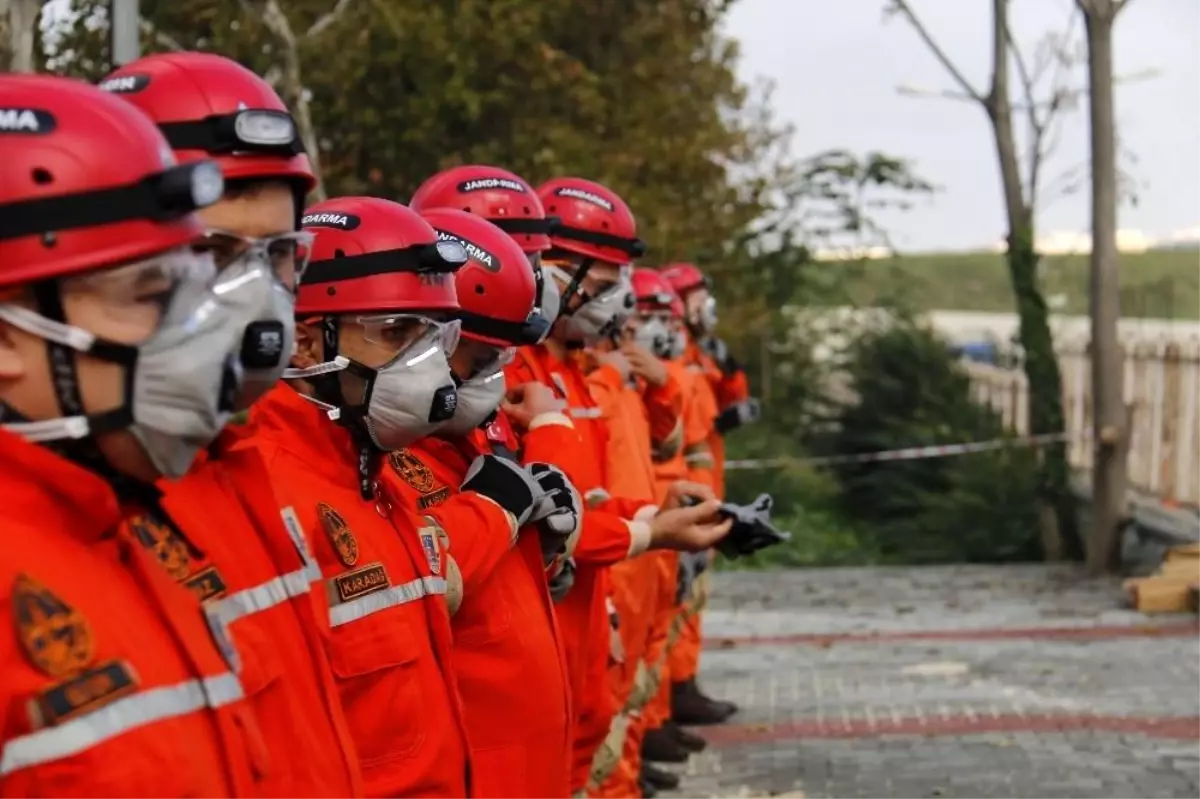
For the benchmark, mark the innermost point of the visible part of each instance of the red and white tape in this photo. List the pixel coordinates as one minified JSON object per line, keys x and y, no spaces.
{"x":906,"y":454}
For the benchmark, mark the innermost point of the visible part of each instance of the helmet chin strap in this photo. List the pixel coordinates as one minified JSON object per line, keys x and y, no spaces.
{"x":329,"y":398}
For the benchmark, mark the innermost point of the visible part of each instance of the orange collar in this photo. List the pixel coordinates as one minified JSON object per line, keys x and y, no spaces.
{"x":284,"y":417}
{"x":46,"y":489}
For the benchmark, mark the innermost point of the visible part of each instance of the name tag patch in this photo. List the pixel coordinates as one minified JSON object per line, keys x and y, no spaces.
{"x":435,"y":498}
{"x":81,"y":693}
{"x":206,"y":584}
{"x":360,"y":582}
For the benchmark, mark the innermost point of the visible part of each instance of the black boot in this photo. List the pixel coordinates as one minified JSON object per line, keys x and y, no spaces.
{"x":688,"y":740}
{"x":689,"y":706}
{"x":647,"y":788}
{"x":661,"y":746}
{"x":660,"y":779}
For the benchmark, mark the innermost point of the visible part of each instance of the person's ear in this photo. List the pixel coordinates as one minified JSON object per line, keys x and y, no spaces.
{"x":310,"y":346}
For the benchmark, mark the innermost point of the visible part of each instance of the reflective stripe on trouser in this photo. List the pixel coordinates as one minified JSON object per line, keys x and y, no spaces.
{"x":610,"y":750}
{"x":137,"y":710}
{"x":374,"y":602}
{"x":645,"y":686}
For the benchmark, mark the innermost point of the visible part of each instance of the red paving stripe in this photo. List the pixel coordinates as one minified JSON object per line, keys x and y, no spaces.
{"x":1184,"y":728}
{"x":1174,"y":630}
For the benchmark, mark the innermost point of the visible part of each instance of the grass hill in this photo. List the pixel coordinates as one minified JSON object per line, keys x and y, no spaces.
{"x":1162,"y":284}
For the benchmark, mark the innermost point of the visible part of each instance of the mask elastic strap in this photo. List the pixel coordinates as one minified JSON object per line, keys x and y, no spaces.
{"x":63,"y":342}
{"x":332,"y":411}
{"x":67,"y":428}
{"x":339,"y":363}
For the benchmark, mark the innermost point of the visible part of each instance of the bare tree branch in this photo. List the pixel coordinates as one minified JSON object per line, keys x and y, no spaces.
{"x":902,"y":7}
{"x":160,"y":38}
{"x":327,"y":19}
{"x":18,"y":25}
{"x":944,"y":94}
{"x":290,"y":78}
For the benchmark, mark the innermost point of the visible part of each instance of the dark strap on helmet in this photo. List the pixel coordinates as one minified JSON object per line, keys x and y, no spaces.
{"x":634,"y":248}
{"x":165,"y":195}
{"x":424,"y":259}
{"x":529,"y":227}
{"x":516,"y":333}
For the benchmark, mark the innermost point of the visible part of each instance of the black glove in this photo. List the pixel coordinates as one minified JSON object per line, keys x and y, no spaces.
{"x":507,"y":484}
{"x":738,"y":414}
{"x":752,"y":528}
{"x":561,"y":583}
{"x":560,"y":511}
{"x":719,"y":352}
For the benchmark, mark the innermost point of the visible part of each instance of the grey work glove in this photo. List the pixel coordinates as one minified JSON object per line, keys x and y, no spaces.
{"x":559,"y":513}
{"x":507,"y":484}
{"x":561,"y":583}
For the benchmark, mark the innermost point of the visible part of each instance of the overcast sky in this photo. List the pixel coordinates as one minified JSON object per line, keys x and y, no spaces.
{"x":836,"y":64}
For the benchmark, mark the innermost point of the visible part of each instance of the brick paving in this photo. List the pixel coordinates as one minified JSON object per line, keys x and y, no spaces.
{"x":973,"y":681}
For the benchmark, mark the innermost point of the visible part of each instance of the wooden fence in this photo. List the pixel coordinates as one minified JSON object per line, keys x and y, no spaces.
{"x":1162,"y":389}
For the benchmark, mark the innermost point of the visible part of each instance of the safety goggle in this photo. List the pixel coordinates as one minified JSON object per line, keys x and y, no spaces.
{"x":287,"y":253}
{"x":493,"y":361}
{"x":402,"y":332}
{"x":133,"y":298}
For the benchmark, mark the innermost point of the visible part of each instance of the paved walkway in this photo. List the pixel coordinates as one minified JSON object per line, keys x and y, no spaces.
{"x":1021,"y":681}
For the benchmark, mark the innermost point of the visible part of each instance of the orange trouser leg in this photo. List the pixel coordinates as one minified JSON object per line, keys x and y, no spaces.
{"x":684,"y":657}
{"x":624,"y":780}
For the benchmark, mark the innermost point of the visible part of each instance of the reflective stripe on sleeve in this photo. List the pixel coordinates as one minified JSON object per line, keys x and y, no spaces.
{"x":108,"y":722}
{"x":374,"y":602}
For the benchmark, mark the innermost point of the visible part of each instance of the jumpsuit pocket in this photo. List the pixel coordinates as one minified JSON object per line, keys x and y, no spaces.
{"x":374,"y":661}
{"x":260,"y":675}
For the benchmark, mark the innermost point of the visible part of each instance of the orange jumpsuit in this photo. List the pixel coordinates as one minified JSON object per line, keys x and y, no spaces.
{"x":387,"y":622}
{"x":723,"y":390}
{"x":112,"y":683}
{"x":221,"y":533}
{"x":507,"y":659}
{"x":687,"y":462}
{"x":639,"y":419}
{"x":606,"y":538}
{"x":728,"y":388}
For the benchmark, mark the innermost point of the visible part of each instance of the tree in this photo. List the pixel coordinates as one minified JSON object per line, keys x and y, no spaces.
{"x":18,"y":34}
{"x":641,"y":96}
{"x":1110,"y":423}
{"x":1021,"y":180}
{"x":290,"y":83}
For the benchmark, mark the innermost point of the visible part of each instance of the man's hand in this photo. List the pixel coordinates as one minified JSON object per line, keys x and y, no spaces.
{"x":644,"y":364}
{"x":529,"y":400}
{"x":691,"y":529}
{"x":617,"y":360}
{"x":686,"y":488}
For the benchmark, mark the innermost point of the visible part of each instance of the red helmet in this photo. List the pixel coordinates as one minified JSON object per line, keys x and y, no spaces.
{"x":87,"y":181}
{"x":496,"y":194}
{"x":209,"y":106}
{"x":685,"y":278}
{"x":593,"y":221}
{"x":654,"y":293}
{"x":496,"y":287}
{"x":375,"y":256}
